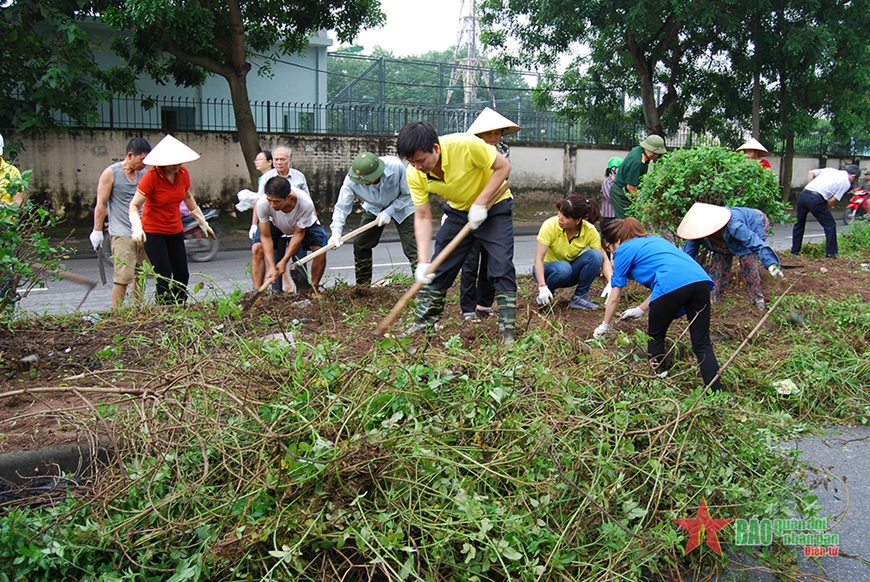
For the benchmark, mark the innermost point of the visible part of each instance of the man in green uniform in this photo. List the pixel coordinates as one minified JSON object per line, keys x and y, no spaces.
{"x":633,"y":167}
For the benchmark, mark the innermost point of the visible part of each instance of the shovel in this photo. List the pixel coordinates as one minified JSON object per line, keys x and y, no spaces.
{"x":387,"y":321}
{"x":246,"y":302}
{"x":99,"y":252}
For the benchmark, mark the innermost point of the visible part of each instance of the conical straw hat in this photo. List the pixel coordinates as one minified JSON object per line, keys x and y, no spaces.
{"x":170,"y":152}
{"x":702,"y":220}
{"x":489,"y":119}
{"x":754,"y":144}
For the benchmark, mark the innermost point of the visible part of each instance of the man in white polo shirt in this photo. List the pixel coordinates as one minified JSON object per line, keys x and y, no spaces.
{"x":291,"y":211}
{"x":825,"y":186}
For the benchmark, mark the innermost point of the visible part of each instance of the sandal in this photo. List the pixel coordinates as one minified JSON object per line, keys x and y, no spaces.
{"x":486,"y":313}
{"x":469,"y":316}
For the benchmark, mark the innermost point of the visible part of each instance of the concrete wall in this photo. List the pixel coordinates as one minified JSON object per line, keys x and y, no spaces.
{"x":67,"y":166}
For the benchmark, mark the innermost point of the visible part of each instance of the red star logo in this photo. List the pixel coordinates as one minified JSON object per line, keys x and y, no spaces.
{"x":703,"y":523}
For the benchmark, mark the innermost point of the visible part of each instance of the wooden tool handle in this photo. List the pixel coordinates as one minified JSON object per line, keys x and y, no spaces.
{"x":388,"y":320}
{"x":329,"y":247}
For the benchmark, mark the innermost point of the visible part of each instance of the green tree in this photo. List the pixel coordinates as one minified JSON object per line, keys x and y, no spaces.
{"x":797,"y":64}
{"x":188,"y":40}
{"x":646,"y":46}
{"x":49,"y":66}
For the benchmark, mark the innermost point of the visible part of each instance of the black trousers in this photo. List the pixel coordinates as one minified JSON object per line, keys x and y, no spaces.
{"x":496,"y":237}
{"x":474,"y":286}
{"x":695,"y":298}
{"x":169,"y":258}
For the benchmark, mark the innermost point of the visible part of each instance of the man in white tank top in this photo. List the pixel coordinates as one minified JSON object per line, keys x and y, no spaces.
{"x":115,"y":190}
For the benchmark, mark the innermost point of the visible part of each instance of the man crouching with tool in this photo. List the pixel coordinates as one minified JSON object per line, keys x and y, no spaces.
{"x":292,"y":212}
{"x":467,"y":173}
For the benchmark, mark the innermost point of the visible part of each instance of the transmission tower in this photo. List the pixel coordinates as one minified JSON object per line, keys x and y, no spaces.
{"x":468,"y":70}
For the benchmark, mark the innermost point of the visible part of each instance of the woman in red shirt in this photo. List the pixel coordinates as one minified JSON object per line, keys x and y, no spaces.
{"x":158,"y":195}
{"x":755,"y":151}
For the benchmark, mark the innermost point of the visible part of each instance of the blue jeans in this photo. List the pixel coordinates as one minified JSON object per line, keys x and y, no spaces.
{"x":812,"y":202}
{"x":581,"y":272}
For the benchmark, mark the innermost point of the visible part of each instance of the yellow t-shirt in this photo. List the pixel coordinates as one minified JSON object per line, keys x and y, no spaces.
{"x":467,"y":163}
{"x":562,"y":249}
{"x":12,"y":171}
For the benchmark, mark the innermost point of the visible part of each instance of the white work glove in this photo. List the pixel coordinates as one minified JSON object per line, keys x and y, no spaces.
{"x":335,"y":239}
{"x":633,"y":313}
{"x":476,"y":215}
{"x":544,"y":295}
{"x":775,"y":271}
{"x":607,"y":290}
{"x":136,"y":226}
{"x":203,"y":223}
{"x":420,"y":275}
{"x":383,"y":218}
{"x":252,"y":232}
{"x":601,"y":330}
{"x":96,"y":239}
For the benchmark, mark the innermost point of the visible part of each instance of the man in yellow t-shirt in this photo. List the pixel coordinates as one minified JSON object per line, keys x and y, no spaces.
{"x":8,"y":172}
{"x":466,"y":172}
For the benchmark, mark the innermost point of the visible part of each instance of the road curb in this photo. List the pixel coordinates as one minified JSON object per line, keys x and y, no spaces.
{"x":79,"y":459}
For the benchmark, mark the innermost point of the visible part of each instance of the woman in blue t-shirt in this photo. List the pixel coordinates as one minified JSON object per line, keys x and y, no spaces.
{"x":678,"y":284}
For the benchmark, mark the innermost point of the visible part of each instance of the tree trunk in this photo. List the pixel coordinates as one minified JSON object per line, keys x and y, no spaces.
{"x":787,"y":165}
{"x":788,"y":134}
{"x":756,"y":105}
{"x":248,"y":138}
{"x":651,"y":117}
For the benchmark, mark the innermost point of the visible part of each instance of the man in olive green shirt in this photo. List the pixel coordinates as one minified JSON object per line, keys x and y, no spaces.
{"x":633,"y":167}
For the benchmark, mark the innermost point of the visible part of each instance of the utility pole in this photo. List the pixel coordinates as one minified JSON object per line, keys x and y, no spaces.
{"x":468,"y":70}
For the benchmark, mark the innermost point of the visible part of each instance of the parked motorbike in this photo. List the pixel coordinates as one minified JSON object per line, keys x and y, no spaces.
{"x":200,"y":249}
{"x":857,"y":206}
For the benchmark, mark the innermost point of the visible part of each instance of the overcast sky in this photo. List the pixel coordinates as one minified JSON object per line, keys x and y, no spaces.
{"x":413,"y":27}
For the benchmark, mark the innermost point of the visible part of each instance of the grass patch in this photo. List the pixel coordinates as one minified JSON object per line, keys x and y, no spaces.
{"x":555,"y":460}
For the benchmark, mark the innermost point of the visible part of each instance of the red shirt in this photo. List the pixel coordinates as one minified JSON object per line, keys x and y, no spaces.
{"x":160,"y":213}
{"x":764,"y":163}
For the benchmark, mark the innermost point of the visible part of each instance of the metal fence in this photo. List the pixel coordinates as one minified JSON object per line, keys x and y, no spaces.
{"x":170,"y":114}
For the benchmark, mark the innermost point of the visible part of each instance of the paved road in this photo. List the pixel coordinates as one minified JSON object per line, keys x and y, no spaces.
{"x":840,"y":463}
{"x":229,"y":271}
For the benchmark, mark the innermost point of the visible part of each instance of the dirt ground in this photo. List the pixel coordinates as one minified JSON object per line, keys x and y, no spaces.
{"x":66,"y":349}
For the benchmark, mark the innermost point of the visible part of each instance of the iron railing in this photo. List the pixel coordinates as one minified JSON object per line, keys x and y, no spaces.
{"x":341,"y":118}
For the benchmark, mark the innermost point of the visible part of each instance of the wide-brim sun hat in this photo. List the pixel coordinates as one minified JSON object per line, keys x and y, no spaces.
{"x":702,"y":220}
{"x":655,"y":144}
{"x":754,"y":144}
{"x":366,"y":168}
{"x":490,"y":120}
{"x":170,"y":152}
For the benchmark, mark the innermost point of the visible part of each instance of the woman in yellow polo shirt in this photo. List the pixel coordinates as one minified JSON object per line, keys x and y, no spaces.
{"x":569,"y":252}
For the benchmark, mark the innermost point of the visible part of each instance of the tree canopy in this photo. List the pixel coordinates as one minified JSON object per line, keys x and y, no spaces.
{"x":49,"y":66}
{"x":699,"y":64}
